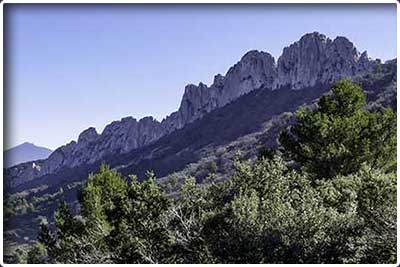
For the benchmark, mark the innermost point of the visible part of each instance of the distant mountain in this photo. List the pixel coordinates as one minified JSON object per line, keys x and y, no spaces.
{"x":23,"y":153}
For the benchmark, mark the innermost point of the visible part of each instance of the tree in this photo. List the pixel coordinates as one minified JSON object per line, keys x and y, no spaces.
{"x":265,"y":213}
{"x":377,"y":207}
{"x":185,"y":223}
{"x":99,"y":195}
{"x":45,"y":240}
{"x":272,"y":214}
{"x":119,"y":223}
{"x":38,"y":254}
{"x":81,"y":239}
{"x":340,"y":135}
{"x":138,"y":234}
{"x":65,"y":222}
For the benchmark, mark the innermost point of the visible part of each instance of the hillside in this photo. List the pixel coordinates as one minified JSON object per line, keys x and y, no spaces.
{"x":312,"y":61}
{"x":250,"y":118}
{"x":247,"y":124}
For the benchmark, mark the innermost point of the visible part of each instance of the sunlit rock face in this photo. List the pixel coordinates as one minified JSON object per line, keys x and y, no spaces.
{"x":316,"y":59}
{"x":254,"y":70}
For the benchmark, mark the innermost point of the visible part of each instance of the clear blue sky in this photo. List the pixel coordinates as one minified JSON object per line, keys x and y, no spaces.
{"x":71,"y":67}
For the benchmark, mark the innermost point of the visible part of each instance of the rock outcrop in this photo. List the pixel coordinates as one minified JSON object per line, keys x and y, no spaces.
{"x":255,"y":70}
{"x":117,"y":138}
{"x":22,"y":173}
{"x":313,"y":60}
{"x":317,"y":59}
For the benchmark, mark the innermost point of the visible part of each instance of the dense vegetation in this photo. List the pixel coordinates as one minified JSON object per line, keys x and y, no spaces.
{"x":327,"y":196}
{"x":340,"y":135}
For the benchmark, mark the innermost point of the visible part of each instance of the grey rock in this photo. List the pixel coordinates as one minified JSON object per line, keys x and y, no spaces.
{"x":254,"y":70}
{"x":117,"y":137}
{"x":87,"y":136}
{"x":317,"y":59}
{"x":22,"y":173}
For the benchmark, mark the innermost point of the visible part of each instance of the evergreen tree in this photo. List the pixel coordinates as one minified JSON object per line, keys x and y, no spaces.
{"x":38,"y":254}
{"x":340,"y":135}
{"x":137,"y":234}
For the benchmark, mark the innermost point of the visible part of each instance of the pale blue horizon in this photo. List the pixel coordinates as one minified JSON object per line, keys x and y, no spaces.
{"x":70,"y":67}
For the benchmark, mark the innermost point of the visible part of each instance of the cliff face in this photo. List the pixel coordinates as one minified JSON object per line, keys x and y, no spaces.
{"x":316,"y":59}
{"x":118,"y":137}
{"x":255,"y":70}
{"x":313,"y":60}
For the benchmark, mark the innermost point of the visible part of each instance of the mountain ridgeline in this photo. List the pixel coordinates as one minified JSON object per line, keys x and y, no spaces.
{"x":244,"y":110}
{"x":314,"y":60}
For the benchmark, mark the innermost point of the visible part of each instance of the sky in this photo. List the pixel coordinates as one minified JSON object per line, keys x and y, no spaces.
{"x":69,"y":67}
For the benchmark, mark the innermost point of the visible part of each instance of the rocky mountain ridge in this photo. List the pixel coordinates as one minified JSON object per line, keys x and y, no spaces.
{"x":314,"y":59}
{"x":208,"y":144}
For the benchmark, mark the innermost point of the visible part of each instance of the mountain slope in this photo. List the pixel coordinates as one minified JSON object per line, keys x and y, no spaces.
{"x":23,"y":153}
{"x":311,"y":61}
{"x":235,"y":108}
{"x":240,"y":125}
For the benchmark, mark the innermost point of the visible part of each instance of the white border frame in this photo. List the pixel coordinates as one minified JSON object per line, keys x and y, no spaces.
{"x":183,"y":2}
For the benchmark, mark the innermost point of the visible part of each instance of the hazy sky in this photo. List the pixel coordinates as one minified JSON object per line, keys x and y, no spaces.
{"x":71,"y":67}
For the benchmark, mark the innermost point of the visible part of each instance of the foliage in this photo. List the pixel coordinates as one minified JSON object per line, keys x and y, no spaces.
{"x":170,"y":183}
{"x":119,"y":223}
{"x":266,"y":213}
{"x":266,"y":153}
{"x":17,"y":254}
{"x":137,"y":234}
{"x":340,"y":135}
{"x":38,"y":254}
{"x":185,"y":221}
{"x":15,"y":204}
